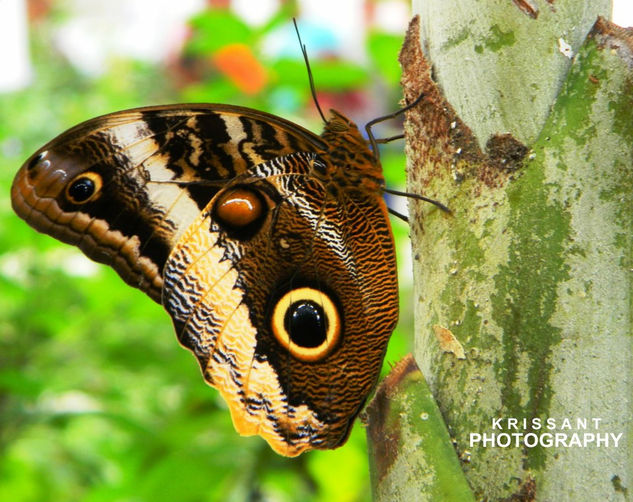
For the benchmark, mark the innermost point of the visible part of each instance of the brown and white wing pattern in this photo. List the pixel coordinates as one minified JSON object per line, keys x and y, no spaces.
{"x":125,"y":186}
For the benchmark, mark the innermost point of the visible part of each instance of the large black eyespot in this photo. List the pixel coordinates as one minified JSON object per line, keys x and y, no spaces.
{"x":84,"y":188}
{"x":307,"y":323}
{"x":240,"y":211}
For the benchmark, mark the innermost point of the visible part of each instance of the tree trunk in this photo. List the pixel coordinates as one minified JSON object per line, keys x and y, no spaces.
{"x":531,"y":275}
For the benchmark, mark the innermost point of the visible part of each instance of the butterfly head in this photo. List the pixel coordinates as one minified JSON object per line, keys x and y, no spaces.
{"x":349,"y":157}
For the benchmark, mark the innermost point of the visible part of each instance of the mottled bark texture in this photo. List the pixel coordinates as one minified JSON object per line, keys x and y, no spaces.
{"x":406,"y":459}
{"x":531,"y":275}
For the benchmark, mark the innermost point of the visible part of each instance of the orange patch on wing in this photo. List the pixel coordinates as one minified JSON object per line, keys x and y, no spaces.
{"x":238,"y":63}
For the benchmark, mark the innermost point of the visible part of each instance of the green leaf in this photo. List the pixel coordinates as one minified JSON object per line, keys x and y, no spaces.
{"x":214,"y":29}
{"x":383,"y":50}
{"x":328,"y":75}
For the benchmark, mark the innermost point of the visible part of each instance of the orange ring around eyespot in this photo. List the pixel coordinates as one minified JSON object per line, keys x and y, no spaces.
{"x":333,"y":331}
{"x":94,"y":178}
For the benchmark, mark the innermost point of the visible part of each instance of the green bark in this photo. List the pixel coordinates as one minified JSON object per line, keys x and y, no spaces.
{"x":411,"y":454}
{"x":533,"y":271}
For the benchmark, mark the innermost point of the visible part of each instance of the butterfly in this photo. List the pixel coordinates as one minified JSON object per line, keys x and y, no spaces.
{"x":269,"y":246}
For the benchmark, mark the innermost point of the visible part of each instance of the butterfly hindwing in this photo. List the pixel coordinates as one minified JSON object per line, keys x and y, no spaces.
{"x":230,"y":296}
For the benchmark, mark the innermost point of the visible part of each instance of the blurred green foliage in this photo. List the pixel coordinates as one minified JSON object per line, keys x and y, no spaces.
{"x":97,"y":401}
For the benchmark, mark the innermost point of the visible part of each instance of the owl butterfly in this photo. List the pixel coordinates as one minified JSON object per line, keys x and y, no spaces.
{"x":269,"y":246}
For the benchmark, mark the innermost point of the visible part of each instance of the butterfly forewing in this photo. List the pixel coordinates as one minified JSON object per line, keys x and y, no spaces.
{"x":156,"y":168}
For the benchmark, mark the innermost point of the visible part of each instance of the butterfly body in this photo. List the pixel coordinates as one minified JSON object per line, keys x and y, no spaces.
{"x":269,"y":246}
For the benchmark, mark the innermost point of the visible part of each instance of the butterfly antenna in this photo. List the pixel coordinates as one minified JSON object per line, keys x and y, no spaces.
{"x":305,"y":58}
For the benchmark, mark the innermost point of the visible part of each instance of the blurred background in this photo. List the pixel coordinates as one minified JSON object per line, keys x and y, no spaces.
{"x":97,"y":400}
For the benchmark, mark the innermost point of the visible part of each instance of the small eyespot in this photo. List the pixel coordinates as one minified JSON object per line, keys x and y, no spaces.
{"x":240,"y":211}
{"x":84,"y":188}
{"x":39,"y":160}
{"x":307,"y":323}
